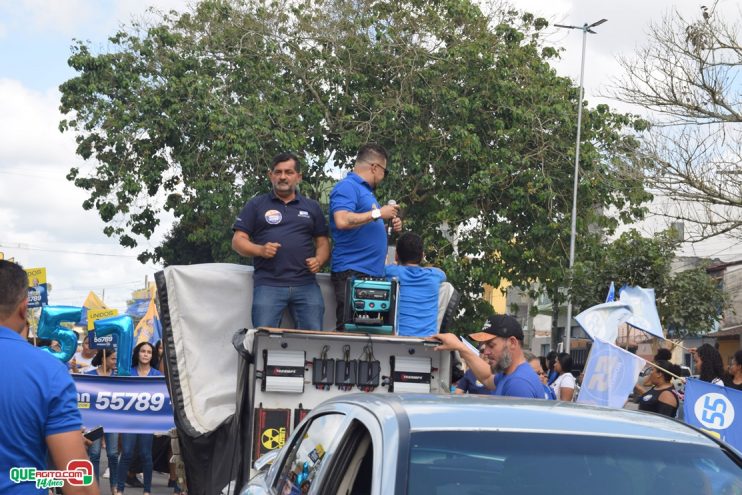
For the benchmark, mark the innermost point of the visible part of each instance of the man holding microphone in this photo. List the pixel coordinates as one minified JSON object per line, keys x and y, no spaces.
{"x":357,"y":223}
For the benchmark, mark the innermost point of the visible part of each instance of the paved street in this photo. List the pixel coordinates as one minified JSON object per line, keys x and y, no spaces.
{"x":159,"y":482}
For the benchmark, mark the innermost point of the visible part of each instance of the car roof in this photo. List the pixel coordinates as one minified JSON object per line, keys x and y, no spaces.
{"x":489,"y":413}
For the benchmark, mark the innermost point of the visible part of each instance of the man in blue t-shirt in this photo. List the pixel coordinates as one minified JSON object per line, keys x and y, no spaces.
{"x":286,"y":235}
{"x":357,"y":223}
{"x":417,"y":306}
{"x":38,"y":400}
{"x":504,"y":368}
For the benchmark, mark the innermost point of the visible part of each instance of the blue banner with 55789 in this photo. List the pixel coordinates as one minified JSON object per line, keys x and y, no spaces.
{"x":124,"y":404}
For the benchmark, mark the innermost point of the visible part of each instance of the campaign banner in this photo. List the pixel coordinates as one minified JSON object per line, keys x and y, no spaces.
{"x":37,"y":289}
{"x":610,"y":375}
{"x":124,"y":404}
{"x":715,"y":409}
{"x":99,"y":314}
{"x":149,"y":328}
{"x":108,"y":342}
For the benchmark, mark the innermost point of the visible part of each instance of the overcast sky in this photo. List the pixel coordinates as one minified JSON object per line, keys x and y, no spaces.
{"x":42,"y":222}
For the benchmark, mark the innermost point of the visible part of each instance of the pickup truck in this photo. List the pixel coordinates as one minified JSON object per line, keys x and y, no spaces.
{"x":239,"y":392}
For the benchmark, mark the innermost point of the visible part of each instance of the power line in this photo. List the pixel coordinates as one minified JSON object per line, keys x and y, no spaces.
{"x":28,"y":247}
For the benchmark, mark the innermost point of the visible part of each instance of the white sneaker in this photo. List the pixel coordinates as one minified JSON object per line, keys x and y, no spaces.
{"x":106,"y":474}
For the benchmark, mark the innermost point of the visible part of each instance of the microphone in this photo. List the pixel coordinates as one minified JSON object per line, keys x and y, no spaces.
{"x":389,"y":228}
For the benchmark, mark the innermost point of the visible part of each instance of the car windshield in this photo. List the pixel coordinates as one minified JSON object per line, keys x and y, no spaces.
{"x":509,"y":463}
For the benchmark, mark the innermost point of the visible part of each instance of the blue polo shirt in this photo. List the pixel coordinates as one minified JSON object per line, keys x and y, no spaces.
{"x":364,"y":248}
{"x":266,"y":218}
{"x":522,"y":382}
{"x":37,"y":398}
{"x":417,"y":307}
{"x":469,"y":384}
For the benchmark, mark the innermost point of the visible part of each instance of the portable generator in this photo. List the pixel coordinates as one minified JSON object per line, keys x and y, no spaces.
{"x":370,"y":305}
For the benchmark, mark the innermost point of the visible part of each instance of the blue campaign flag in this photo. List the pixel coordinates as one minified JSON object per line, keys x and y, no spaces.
{"x":138,"y":308}
{"x":611,"y":293}
{"x":716,"y":409}
{"x":610,"y":375}
{"x":124,"y":404}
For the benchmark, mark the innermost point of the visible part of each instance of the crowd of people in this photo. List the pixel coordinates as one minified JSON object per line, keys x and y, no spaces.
{"x":288,"y":238}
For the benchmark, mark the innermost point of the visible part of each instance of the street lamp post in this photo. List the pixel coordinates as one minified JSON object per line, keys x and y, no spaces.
{"x":585,"y":28}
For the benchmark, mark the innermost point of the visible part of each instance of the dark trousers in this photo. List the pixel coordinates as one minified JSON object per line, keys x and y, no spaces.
{"x":338,"y":282}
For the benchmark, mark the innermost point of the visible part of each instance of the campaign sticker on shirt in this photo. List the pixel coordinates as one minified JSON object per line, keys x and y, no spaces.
{"x":273,"y":217}
{"x":303,"y":214}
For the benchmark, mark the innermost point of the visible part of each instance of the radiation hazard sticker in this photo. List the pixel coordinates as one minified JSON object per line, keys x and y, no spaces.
{"x":272,"y":428}
{"x":273,"y":438}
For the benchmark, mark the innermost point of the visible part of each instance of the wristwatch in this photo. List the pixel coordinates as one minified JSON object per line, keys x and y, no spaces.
{"x":375,"y":213}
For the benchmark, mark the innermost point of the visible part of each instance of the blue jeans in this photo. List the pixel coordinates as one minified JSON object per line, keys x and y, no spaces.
{"x":304,"y":302}
{"x":112,"y":452}
{"x":143,"y":443}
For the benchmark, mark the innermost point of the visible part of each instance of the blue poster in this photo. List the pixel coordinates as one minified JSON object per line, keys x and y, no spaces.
{"x":124,"y":404}
{"x":107,"y":342}
{"x":610,"y":375}
{"x":715,"y":409}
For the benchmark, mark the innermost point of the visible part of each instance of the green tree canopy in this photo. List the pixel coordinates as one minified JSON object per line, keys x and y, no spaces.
{"x":184,"y":115}
{"x":689,"y":302}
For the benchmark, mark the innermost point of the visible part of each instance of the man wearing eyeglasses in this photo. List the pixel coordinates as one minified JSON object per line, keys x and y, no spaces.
{"x":357,"y":223}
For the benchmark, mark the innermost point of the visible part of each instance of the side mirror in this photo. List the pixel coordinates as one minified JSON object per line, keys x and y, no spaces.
{"x":266,"y":460}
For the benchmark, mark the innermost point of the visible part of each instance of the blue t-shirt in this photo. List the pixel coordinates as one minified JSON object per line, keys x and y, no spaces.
{"x":152,"y":372}
{"x":469,"y":384}
{"x":37,"y":398}
{"x":364,"y":248}
{"x":266,"y":218}
{"x":417,"y":307}
{"x":522,"y":382}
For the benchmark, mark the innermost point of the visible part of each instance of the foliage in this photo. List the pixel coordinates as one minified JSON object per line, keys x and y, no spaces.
{"x":688,"y":302}
{"x":689,"y":76}
{"x":184,"y":116}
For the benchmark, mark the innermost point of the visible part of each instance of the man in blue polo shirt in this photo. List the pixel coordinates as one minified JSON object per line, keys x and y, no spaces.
{"x":286,"y":234}
{"x":38,"y":400}
{"x":357,"y":223}
{"x":504,"y":368}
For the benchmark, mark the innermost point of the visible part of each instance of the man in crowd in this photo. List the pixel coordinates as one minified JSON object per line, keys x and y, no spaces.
{"x":504,"y":368}
{"x":417,"y":307}
{"x":286,"y":234}
{"x":357,"y":223}
{"x":38,"y":400}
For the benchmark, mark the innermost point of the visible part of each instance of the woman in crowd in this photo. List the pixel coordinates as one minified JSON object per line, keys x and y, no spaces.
{"x":662,"y":398}
{"x":112,"y":439}
{"x":736,"y":379}
{"x":564,"y":385}
{"x":143,"y":363}
{"x":709,"y":365}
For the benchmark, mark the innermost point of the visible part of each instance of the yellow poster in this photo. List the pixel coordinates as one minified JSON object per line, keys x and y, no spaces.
{"x":148,"y":329}
{"x":99,"y":314}
{"x":36,"y":276}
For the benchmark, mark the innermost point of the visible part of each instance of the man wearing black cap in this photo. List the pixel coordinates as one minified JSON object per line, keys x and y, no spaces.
{"x":507,"y":373}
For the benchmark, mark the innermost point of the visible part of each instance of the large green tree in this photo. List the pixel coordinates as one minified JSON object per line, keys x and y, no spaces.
{"x":184,"y":115}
